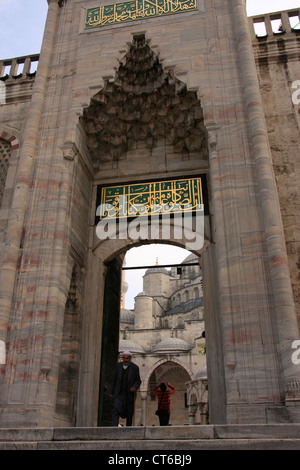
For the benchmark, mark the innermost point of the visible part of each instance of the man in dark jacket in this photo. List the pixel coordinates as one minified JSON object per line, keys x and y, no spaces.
{"x":126,"y":381}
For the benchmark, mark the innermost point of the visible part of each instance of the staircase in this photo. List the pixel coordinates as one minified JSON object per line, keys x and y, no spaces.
{"x":172,"y":438}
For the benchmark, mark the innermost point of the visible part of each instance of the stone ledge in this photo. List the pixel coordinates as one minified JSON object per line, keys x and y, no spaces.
{"x":257,"y":431}
{"x":171,"y":438}
{"x":179,"y":432}
{"x":26,"y":434}
{"x":134,"y":446}
{"x":153,"y":433}
{"x":98,"y":434}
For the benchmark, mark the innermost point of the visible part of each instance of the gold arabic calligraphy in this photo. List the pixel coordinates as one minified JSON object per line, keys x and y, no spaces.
{"x":160,"y":197}
{"x":135,"y":10}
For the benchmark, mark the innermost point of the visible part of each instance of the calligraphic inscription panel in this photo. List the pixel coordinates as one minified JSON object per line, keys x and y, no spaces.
{"x":135,"y":10}
{"x":152,"y":198}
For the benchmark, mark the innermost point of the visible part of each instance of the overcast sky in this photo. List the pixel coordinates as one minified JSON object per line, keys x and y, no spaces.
{"x":22,"y":22}
{"x":21,"y":30}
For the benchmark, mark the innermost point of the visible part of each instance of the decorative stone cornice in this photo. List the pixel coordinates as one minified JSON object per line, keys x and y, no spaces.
{"x":60,"y":2}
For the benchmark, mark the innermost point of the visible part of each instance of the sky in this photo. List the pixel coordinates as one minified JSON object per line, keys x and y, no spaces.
{"x":21,"y":31}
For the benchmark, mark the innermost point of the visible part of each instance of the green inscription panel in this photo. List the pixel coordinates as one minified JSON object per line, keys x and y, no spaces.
{"x":135,"y":10}
{"x":150,"y":198}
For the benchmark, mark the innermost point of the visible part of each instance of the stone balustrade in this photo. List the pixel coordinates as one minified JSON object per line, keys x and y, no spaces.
{"x":272,"y":24}
{"x":19,"y":67}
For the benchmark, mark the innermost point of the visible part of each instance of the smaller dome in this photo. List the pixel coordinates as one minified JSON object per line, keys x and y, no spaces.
{"x":172,"y":344}
{"x":128,"y":345}
{"x":202,"y":374}
{"x":191,"y":258}
{"x":141,"y":294}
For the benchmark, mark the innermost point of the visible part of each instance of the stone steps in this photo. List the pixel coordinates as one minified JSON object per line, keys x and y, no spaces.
{"x":171,"y":438}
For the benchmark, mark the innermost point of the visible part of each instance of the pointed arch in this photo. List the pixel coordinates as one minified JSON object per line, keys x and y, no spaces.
{"x":161,"y":361}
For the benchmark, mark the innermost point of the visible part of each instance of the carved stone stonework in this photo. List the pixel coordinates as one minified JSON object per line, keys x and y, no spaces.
{"x":171,"y":97}
{"x":142,"y":106}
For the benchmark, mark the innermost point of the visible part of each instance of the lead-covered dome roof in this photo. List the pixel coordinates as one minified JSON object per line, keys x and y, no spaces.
{"x":172,"y":344}
{"x":132,"y":346}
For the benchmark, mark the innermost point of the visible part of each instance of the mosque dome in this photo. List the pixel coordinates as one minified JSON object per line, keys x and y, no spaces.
{"x":172,"y":344}
{"x":157,"y":270}
{"x":128,"y":345}
{"x":191,"y":258}
{"x":141,"y":294}
{"x":202,"y":374}
{"x":127,"y":316}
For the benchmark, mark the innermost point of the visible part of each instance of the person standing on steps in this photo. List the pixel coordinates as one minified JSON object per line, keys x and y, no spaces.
{"x":164,"y":402}
{"x":126,"y":381}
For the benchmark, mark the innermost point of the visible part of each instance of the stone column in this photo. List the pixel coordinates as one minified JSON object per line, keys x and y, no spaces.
{"x":144,"y":407}
{"x":284,"y":320}
{"x":24,"y":174}
{"x":192,"y":413}
{"x":286,"y":25}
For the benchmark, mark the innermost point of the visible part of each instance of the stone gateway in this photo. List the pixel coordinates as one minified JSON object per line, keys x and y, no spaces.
{"x":126,"y":94}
